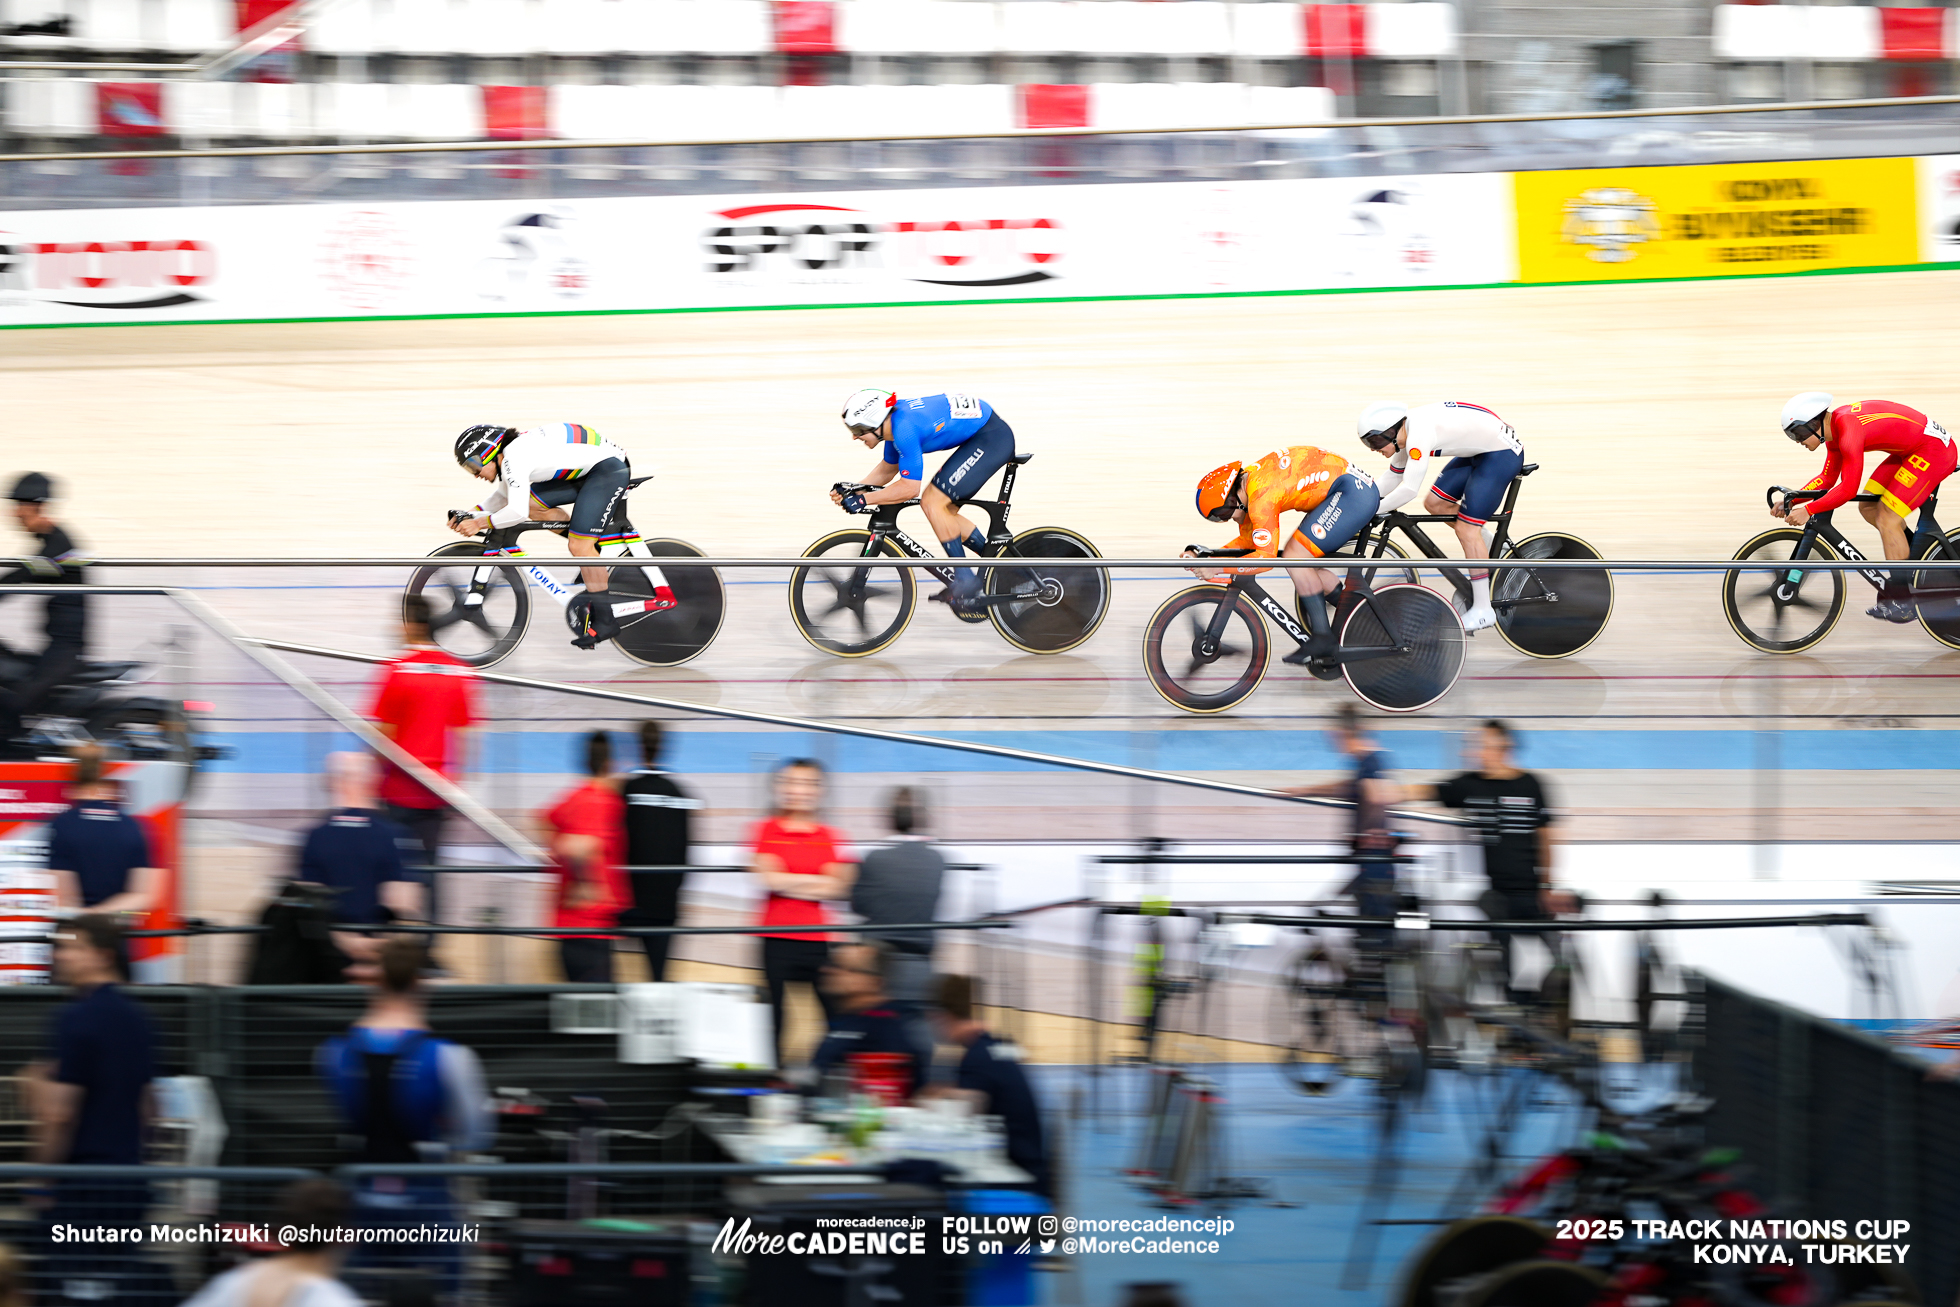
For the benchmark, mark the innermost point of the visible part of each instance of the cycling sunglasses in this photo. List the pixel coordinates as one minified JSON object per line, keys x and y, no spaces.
{"x":1223,"y":513}
{"x":1799,"y":432}
{"x":1381,"y":441}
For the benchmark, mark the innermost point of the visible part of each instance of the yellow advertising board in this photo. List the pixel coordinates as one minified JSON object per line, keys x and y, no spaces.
{"x":1715,"y":220}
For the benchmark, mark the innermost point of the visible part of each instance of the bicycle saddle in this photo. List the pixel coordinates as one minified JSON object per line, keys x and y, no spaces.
{"x":1527,"y":469}
{"x":1019,"y":459}
{"x":639,"y":481}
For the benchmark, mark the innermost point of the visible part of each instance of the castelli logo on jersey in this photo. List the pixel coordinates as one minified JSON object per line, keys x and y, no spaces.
{"x":107,"y":274}
{"x":793,"y":239}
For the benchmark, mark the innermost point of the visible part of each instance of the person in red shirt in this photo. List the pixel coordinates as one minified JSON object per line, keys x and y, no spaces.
{"x":1922,"y":455}
{"x":425,"y":702}
{"x":797,"y":858}
{"x":587,"y":837}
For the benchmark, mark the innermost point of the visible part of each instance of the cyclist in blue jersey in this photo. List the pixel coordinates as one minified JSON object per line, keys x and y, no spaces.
{"x":909,"y":429}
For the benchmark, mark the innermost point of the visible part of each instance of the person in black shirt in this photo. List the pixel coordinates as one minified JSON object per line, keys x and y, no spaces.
{"x":98,"y":853}
{"x":58,"y":562}
{"x":1514,"y":819}
{"x":659,"y":831}
{"x":358,"y":851}
{"x":861,"y":1019}
{"x":991,"y":1069}
{"x":1372,"y":794}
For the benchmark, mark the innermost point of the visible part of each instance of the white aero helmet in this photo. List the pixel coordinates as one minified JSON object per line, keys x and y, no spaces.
{"x":866,"y":410}
{"x":1378,"y":420}
{"x":1803,"y":416}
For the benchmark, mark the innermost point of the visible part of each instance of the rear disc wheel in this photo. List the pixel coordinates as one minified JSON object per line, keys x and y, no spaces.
{"x":1557,"y":612}
{"x":1428,"y":631}
{"x":670,"y":638}
{"x":1936,"y":593}
{"x":1055,"y":608}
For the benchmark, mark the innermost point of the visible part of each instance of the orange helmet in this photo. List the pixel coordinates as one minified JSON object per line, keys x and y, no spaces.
{"x":1215,"y":492}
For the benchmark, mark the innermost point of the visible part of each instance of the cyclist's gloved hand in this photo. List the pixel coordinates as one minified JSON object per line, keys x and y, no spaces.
{"x":853,"y":502}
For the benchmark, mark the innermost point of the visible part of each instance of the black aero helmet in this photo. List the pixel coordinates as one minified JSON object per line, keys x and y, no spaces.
{"x":32,"y":488}
{"x":479,"y":446}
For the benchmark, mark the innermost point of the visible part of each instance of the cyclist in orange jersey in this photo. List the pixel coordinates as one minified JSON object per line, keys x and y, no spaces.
{"x":1922,"y":455}
{"x":1338,"y":501}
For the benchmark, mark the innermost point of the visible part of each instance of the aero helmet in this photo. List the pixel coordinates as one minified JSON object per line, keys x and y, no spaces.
{"x":1803,"y":416}
{"x":1377,"y":423}
{"x":866,"y":410}
{"x":479,"y":446}
{"x":1215,"y":492}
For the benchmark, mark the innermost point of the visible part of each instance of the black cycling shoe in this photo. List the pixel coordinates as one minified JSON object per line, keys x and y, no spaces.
{"x":1893,"y":608}
{"x":1317,"y":646}
{"x":591,"y":620}
{"x":966,"y":607}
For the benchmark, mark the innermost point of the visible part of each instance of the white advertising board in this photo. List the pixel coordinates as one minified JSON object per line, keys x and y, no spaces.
{"x":1939,"y":208}
{"x":709,"y":252}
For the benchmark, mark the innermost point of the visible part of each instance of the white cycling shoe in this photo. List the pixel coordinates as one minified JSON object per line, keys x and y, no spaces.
{"x":1480,"y":617}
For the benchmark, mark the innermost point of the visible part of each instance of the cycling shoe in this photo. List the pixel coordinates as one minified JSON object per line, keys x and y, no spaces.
{"x":591,"y":620}
{"x":965,"y":607}
{"x":1893,"y":608}
{"x":1318,"y":646}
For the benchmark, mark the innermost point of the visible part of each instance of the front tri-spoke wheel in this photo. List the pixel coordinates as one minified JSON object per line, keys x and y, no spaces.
{"x":477,"y":614}
{"x":851,"y":611}
{"x":1782,"y":609}
{"x":1195,"y":672}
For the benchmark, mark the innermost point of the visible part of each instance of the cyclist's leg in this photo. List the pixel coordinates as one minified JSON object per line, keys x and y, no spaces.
{"x":1349,"y":507}
{"x":1474,"y":487}
{"x":1902,"y":483}
{"x":600,"y":492}
{"x":965,"y":470}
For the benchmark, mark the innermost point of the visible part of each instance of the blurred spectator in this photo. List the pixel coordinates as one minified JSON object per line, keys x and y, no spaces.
{"x":861,"y":1021}
{"x":408,"y":1096}
{"x":587,"y":839}
{"x":306,"y":1273}
{"x":358,"y":853}
{"x":1372,"y":793}
{"x":900,"y":883}
{"x":658,"y":834}
{"x":57,"y":562}
{"x":991,"y":1069}
{"x":798,"y":861}
{"x":13,"y":1279}
{"x":425,"y":703}
{"x":91,"y":1097}
{"x":98,"y":853}
{"x":1514,"y":817}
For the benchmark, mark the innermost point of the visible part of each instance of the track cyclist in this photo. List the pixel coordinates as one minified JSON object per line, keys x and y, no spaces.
{"x":909,"y":429}
{"x":1338,"y":501}
{"x":1485,"y":457}
{"x":560,"y":472}
{"x":1922,"y":456}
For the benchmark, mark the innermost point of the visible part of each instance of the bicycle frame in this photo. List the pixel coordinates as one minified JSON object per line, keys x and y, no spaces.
{"x":1247,"y":585}
{"x":1409,"y":525}
{"x":503,"y":544}
{"x":884,"y":526}
{"x":1820,"y":526}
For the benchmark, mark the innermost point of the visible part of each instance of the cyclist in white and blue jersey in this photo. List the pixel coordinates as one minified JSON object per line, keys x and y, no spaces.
{"x":909,"y":429}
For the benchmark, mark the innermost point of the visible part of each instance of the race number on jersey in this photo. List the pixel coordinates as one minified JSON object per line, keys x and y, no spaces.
{"x":962,"y":406}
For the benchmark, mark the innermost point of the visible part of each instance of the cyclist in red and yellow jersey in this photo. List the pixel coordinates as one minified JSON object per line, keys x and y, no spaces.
{"x":1338,"y":501}
{"x":1922,"y":456}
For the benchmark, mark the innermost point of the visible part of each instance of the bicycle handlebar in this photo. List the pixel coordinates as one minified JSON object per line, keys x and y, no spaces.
{"x":1200,"y":551}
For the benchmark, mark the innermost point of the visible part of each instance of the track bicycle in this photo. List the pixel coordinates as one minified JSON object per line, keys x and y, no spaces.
{"x":479,"y":614}
{"x":1788,"y":609}
{"x":1550,"y":614}
{"x":856,"y":611}
{"x":1400,"y":647}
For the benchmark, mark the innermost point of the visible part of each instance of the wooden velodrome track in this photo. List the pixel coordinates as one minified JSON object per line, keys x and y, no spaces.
{"x":1652,"y":409}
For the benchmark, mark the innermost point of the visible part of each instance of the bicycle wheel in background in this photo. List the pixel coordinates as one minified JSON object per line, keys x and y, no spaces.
{"x":1936,"y":592}
{"x":1365,"y":545}
{"x":1782,"y":609}
{"x":477,"y":614}
{"x":670,"y":638}
{"x":1055,"y":608}
{"x":1200,"y":680}
{"x":851,"y":611}
{"x":1423,"y":623}
{"x":1312,"y":1025}
{"x":1557,"y":612}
